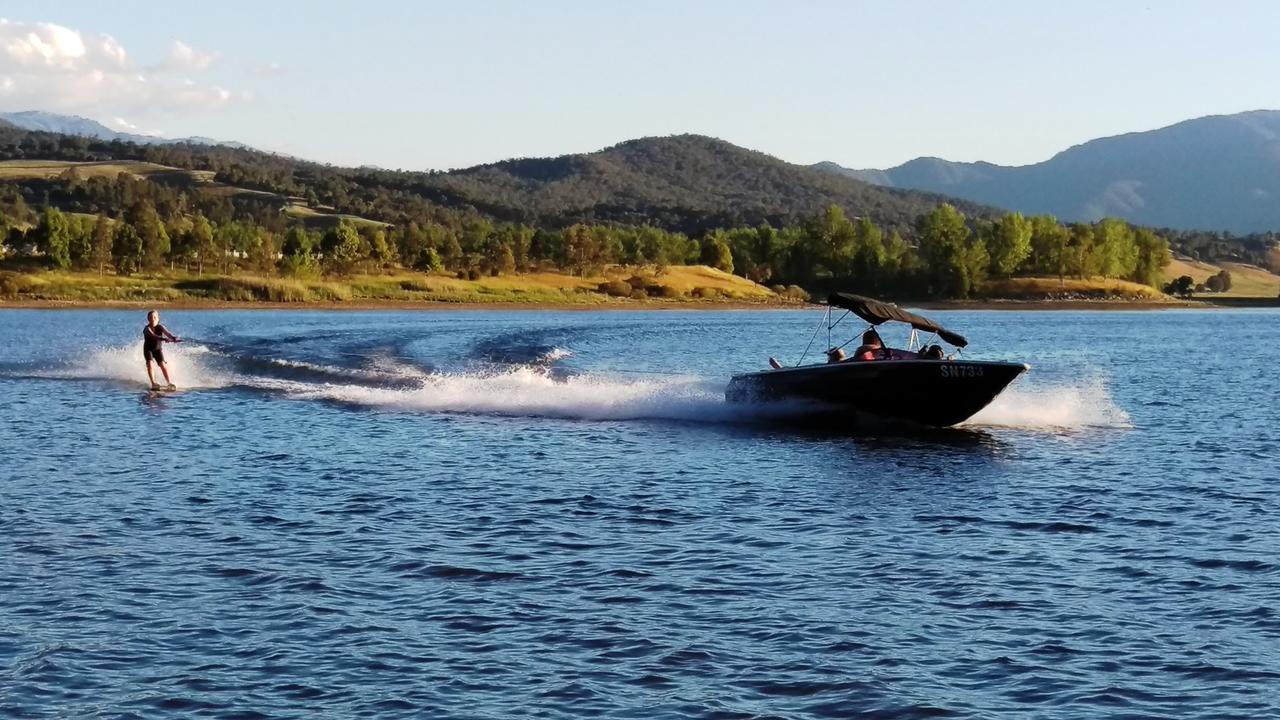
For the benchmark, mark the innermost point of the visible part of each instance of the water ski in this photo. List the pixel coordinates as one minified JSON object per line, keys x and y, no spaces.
{"x":164,"y":389}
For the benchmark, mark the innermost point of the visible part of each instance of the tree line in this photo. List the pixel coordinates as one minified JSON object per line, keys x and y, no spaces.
{"x":948,"y":255}
{"x":88,"y":219}
{"x":145,"y":226}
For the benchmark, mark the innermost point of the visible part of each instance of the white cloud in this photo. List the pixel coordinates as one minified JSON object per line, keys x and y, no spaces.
{"x":44,"y":66}
{"x":184,"y":57}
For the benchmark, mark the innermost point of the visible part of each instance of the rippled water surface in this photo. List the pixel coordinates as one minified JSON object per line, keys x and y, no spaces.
{"x":529,"y":514}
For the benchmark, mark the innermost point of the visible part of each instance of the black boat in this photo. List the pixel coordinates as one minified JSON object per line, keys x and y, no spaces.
{"x":918,"y":385}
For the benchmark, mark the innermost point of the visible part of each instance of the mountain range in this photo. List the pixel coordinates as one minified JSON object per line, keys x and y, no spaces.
{"x":1215,"y":173}
{"x":41,"y":121}
{"x":684,"y":182}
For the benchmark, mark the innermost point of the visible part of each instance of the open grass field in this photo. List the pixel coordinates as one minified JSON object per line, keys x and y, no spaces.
{"x":319,"y":218}
{"x":1042,"y":287}
{"x":203,"y":180}
{"x":1247,"y":281}
{"x":45,"y":169}
{"x":694,"y":284}
{"x":688,"y":278}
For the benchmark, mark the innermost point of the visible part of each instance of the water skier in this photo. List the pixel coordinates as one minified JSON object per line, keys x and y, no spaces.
{"x":154,"y":335}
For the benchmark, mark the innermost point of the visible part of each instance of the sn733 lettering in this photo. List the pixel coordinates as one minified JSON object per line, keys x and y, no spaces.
{"x":961,"y":371}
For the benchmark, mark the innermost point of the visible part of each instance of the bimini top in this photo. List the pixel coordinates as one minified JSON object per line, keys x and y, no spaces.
{"x":876,"y":312}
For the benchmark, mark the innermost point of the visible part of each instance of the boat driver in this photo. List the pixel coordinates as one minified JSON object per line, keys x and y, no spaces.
{"x":871,"y":348}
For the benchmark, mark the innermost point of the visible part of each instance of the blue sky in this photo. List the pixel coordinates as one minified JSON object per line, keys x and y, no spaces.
{"x":421,"y":85}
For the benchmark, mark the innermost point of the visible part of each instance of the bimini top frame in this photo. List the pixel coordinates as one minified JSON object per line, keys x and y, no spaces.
{"x":876,"y":312}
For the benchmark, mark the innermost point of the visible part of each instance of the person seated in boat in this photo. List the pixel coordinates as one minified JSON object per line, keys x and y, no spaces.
{"x":933,"y":352}
{"x":835,"y":355}
{"x":872,"y":348}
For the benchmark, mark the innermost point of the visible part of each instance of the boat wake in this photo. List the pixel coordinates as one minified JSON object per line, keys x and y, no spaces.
{"x":539,"y":388}
{"x":1032,"y":406}
{"x":525,"y":391}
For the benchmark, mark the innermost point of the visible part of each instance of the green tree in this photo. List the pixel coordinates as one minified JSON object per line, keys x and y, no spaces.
{"x":547,"y":247}
{"x":413,"y":243}
{"x":1008,"y":241}
{"x":505,"y":262}
{"x":716,"y":252}
{"x":155,"y":240}
{"x":80,"y":245}
{"x":380,"y":250}
{"x":583,"y":249}
{"x":181,"y":241}
{"x":203,"y":242}
{"x":53,"y":237}
{"x":265,"y":251}
{"x":899,"y":258}
{"x":101,"y":243}
{"x":445,"y":240}
{"x":342,"y":248}
{"x":1049,"y":246}
{"x":766,"y":254}
{"x":298,"y":252}
{"x":829,"y":243}
{"x":1182,"y":286}
{"x":1116,"y":248}
{"x":242,"y":235}
{"x":126,"y":249}
{"x":955,"y":260}
{"x":1221,"y":282}
{"x":430,"y":261}
{"x":299,"y":241}
{"x":233,"y":240}
{"x":1083,"y":258}
{"x":476,"y":232}
{"x":1153,"y":257}
{"x":749,"y":248}
{"x":869,"y":255}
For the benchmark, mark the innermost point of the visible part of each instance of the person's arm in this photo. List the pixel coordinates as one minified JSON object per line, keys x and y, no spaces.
{"x":166,"y":335}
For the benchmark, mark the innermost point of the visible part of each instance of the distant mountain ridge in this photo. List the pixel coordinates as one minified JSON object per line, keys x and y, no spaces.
{"x":687,"y":182}
{"x":41,"y":121}
{"x":1220,"y":172}
{"x":684,"y":183}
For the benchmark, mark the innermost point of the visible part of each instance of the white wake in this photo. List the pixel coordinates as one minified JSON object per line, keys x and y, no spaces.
{"x":188,"y":363}
{"x":532,"y":391}
{"x":1071,"y":406}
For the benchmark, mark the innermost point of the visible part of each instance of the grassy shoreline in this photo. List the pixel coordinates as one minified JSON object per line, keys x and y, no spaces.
{"x":622,"y":304}
{"x":680,"y":286}
{"x":677,"y":288}
{"x":626,"y":305}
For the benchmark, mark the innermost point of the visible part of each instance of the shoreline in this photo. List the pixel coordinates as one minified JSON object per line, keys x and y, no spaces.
{"x":397,"y":305}
{"x":432,"y":306}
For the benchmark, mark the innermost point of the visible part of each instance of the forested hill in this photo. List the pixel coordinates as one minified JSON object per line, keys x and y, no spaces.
{"x":1212,"y":173}
{"x":685,"y":182}
{"x":84,"y":203}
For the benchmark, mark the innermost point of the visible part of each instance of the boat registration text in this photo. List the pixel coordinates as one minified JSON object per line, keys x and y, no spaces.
{"x":961,"y":371}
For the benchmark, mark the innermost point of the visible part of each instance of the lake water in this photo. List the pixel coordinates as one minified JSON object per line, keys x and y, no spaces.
{"x":554,"y":514}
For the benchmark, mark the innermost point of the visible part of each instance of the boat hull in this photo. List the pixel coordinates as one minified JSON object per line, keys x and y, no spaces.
{"x":934,"y":393}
